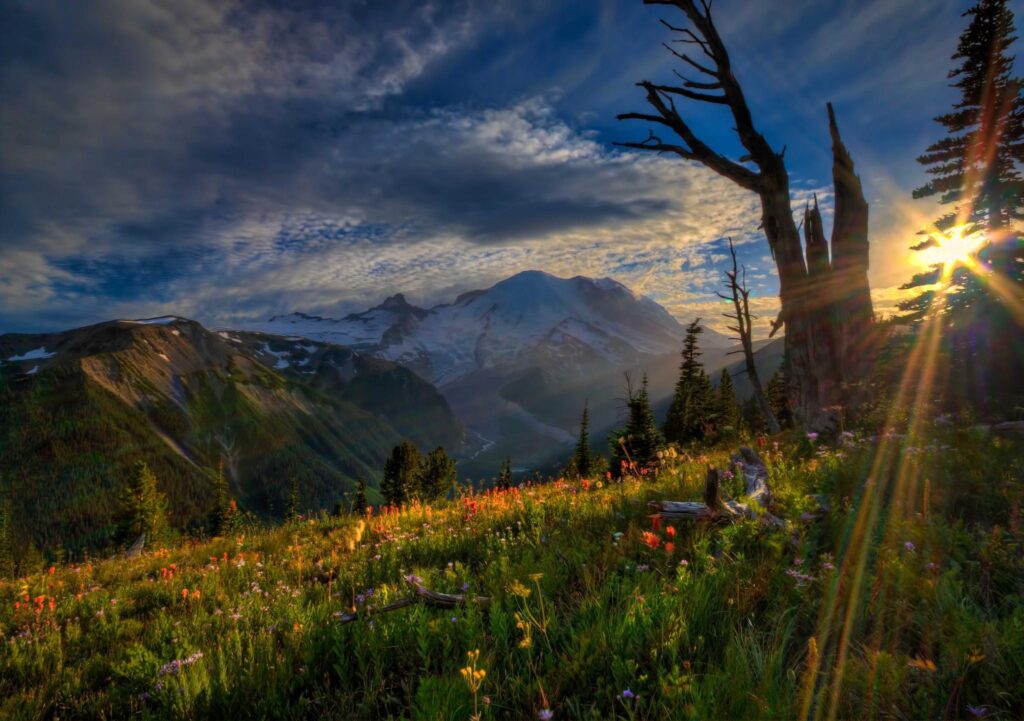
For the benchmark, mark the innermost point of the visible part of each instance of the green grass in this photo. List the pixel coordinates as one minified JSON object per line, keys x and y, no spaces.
{"x":582,"y":608}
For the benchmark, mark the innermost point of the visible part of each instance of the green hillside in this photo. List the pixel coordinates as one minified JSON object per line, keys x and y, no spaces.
{"x":183,"y":400}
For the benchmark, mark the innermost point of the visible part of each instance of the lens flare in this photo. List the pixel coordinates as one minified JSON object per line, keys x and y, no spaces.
{"x":957,"y":247}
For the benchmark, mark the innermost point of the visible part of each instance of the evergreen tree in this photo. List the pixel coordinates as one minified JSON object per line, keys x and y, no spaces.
{"x":505,"y":474}
{"x":640,"y":440}
{"x":359,"y":503}
{"x":437,"y":474}
{"x":693,"y":404}
{"x":6,"y":542}
{"x":145,"y":506}
{"x":974,"y":168}
{"x":727,"y":417}
{"x":293,"y":502}
{"x":224,"y":508}
{"x":401,"y":474}
{"x":778,"y":397}
{"x":582,"y":460}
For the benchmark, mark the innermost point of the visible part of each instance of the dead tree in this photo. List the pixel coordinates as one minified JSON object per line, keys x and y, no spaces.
{"x":739,"y":294}
{"x":420,"y":594}
{"x":826,"y":309}
{"x":716,"y":510}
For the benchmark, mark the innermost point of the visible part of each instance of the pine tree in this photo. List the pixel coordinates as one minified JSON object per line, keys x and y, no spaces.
{"x":727,"y":417}
{"x":582,"y":460}
{"x":6,"y":543}
{"x":293,"y":502}
{"x":640,"y":440}
{"x":505,"y":474}
{"x":693,"y":405}
{"x":145,"y":506}
{"x":778,"y":398}
{"x":975,"y":167}
{"x":401,"y":474}
{"x":224,"y":508}
{"x":437,"y":474}
{"x":359,"y":503}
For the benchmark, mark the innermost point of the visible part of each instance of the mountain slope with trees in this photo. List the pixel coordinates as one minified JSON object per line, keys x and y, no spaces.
{"x":77,"y":417}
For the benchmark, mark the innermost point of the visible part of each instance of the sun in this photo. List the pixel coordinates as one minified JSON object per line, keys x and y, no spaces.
{"x":957,"y":247}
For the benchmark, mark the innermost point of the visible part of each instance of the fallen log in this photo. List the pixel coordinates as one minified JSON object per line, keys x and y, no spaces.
{"x":421,"y":594}
{"x":716,"y":510}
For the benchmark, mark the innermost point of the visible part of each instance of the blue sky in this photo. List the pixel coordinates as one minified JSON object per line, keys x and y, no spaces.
{"x":231,"y":160}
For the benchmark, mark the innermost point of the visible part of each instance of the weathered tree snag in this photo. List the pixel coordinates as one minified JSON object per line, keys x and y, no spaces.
{"x":422,"y":595}
{"x":716,"y":510}
{"x":824,"y":348}
{"x":850,"y":257}
{"x":739,"y":294}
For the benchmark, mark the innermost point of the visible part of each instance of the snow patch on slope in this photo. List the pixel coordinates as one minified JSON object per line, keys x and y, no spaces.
{"x":35,"y":354}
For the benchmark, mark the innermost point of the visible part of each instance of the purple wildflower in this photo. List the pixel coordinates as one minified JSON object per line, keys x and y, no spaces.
{"x":977,"y":711}
{"x":174,"y":667}
{"x":909,"y":545}
{"x":546,"y":714}
{"x":627,"y":694}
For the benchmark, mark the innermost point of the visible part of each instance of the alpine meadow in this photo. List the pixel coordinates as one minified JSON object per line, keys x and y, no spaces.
{"x":551,"y":359}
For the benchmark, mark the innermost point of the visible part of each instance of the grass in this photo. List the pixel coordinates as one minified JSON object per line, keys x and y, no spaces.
{"x":590,"y":618}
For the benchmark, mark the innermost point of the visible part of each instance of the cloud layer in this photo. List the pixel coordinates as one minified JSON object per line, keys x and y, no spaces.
{"x":230,"y":159}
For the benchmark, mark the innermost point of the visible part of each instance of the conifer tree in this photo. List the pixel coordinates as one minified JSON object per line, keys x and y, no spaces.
{"x":437,"y":474}
{"x":640,"y":440}
{"x":505,"y":474}
{"x":693,"y":408}
{"x":293,"y":502}
{"x":727,"y":416}
{"x":778,"y":398}
{"x":975,"y":168}
{"x":146,"y":506}
{"x":583,"y":459}
{"x":6,"y":541}
{"x":359,"y":502}
{"x":401,"y":474}
{"x":224,"y":508}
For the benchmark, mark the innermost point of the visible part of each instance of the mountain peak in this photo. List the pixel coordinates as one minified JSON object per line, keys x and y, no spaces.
{"x":396,"y":302}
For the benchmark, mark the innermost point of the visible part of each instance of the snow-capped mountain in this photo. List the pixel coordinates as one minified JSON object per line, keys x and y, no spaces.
{"x":567,"y":325}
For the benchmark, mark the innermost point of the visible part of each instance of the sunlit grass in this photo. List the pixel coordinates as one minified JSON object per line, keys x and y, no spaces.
{"x":589,"y":618}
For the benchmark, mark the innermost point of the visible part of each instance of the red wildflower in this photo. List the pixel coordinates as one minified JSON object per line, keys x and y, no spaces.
{"x":651,"y":540}
{"x":670,"y":531}
{"x":670,"y":548}
{"x":656,"y":522}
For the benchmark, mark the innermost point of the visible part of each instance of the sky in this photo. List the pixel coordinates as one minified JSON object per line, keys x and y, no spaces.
{"x":230,"y":160}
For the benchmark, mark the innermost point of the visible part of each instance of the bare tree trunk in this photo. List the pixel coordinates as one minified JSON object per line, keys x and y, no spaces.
{"x":739,"y":294}
{"x":826,"y":306}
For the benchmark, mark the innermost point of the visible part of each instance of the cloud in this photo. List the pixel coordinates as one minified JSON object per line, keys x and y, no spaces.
{"x":232,"y":159}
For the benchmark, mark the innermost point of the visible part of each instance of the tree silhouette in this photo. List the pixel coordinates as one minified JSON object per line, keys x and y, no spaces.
{"x":826,"y":306}
{"x":437,"y":474}
{"x":583,"y":459}
{"x":401,"y":474}
{"x":739,"y":295}
{"x":640,"y":440}
{"x":690,"y":414}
